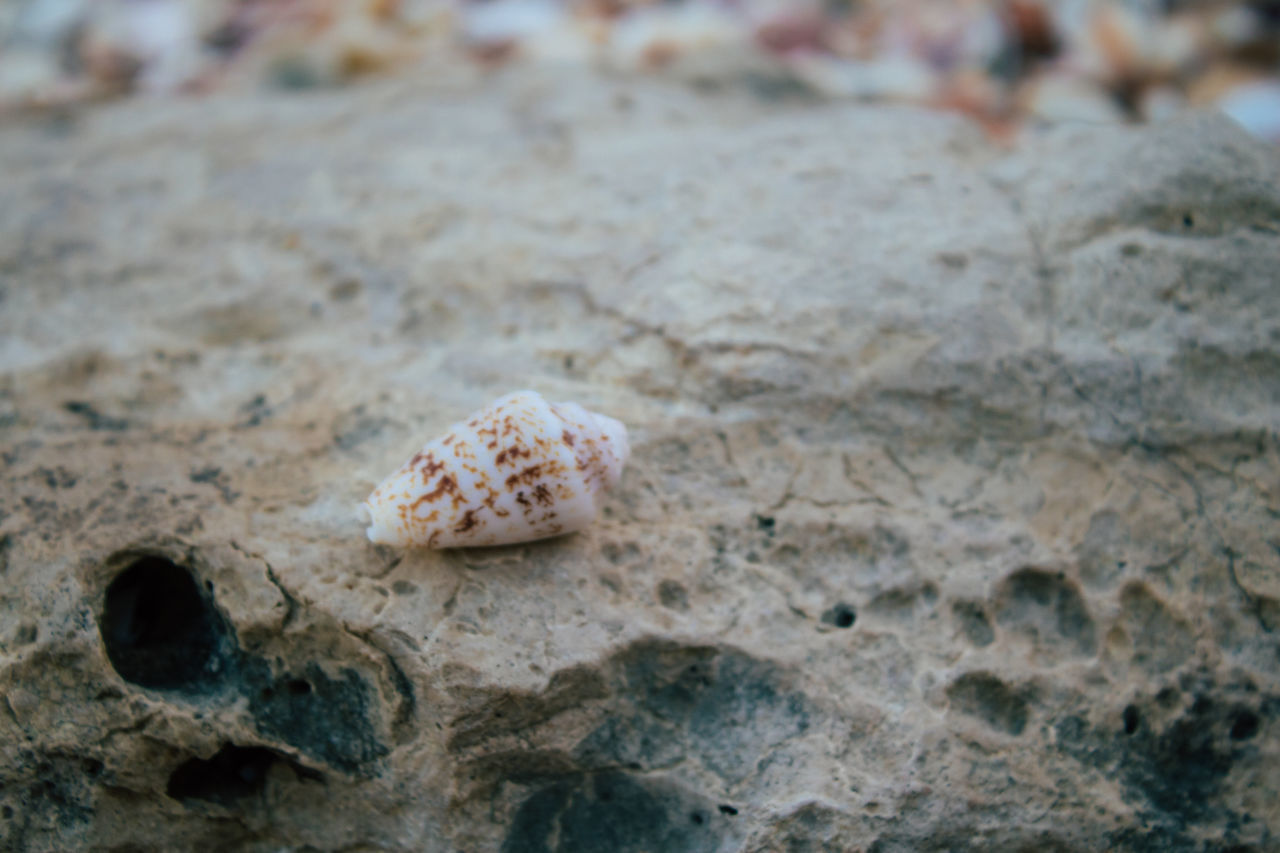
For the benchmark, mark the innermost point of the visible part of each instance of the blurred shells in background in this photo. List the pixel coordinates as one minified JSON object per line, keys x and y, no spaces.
{"x":1003,"y":62}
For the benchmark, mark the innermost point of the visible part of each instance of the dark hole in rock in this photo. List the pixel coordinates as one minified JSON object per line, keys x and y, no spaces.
{"x":764,"y":522}
{"x":1245,"y":726}
{"x":158,"y":629}
{"x":234,"y":772}
{"x":1131,"y":719}
{"x":697,"y":818}
{"x":841,"y":616}
{"x":299,"y":687}
{"x":1188,"y":221}
{"x":92,"y":766}
{"x":728,"y":810}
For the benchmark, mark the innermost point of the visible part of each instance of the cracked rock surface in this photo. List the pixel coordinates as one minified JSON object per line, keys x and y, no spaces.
{"x":950,"y":523}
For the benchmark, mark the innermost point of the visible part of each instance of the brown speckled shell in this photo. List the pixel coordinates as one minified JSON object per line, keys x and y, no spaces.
{"x":518,"y":470}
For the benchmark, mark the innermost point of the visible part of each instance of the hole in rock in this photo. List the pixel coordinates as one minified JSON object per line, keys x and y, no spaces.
{"x":158,"y":629}
{"x":231,"y":774}
{"x":299,"y":687}
{"x":1245,"y":726}
{"x":729,"y":810}
{"x":842,"y":616}
{"x":697,"y":818}
{"x":1131,"y":719}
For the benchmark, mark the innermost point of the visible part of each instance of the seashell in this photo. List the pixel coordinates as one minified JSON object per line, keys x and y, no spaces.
{"x":517,"y":470}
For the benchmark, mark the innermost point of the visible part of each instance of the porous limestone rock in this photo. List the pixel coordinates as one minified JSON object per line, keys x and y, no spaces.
{"x":950,"y":521}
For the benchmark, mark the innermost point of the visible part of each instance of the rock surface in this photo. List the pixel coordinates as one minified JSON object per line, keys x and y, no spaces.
{"x":950,"y":521}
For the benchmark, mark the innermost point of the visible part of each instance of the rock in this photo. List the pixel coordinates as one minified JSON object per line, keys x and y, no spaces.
{"x":949,"y":521}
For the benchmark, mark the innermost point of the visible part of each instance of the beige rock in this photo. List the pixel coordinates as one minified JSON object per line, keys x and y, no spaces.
{"x":948,"y":524}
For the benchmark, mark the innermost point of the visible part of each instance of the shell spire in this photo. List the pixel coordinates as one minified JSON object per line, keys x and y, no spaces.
{"x":517,"y":470}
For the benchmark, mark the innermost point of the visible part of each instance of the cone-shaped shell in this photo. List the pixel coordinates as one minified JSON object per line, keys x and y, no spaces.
{"x":517,"y":470}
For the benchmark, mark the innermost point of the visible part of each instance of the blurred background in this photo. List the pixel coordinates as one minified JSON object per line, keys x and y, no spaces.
{"x":1004,"y":63}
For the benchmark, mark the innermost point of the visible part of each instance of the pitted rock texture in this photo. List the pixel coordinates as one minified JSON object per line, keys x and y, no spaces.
{"x":950,"y":521}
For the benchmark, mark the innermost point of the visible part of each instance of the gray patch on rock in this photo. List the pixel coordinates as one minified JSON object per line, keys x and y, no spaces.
{"x":729,"y":709}
{"x":327,"y":718}
{"x":982,"y":695}
{"x":620,"y":812}
{"x":1048,"y":610}
{"x":1173,"y":772}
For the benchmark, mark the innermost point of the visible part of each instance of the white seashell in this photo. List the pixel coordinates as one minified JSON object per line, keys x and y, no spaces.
{"x":517,"y":470}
